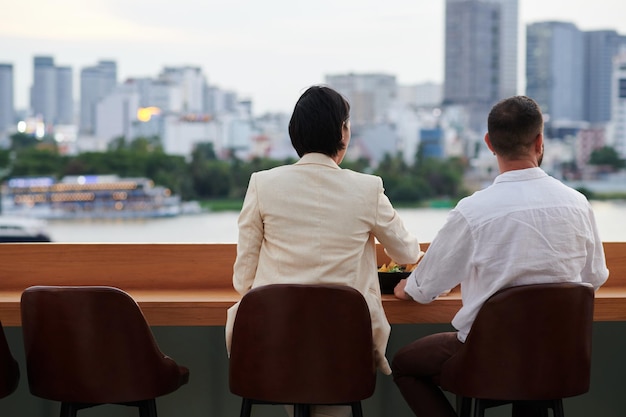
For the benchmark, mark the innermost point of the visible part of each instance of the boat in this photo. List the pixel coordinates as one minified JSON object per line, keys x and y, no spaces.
{"x":88,"y":197}
{"x":22,"y":229}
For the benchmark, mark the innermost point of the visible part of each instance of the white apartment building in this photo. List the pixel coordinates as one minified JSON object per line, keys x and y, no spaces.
{"x":116,"y":113}
{"x":181,"y":134}
{"x":191,"y":82}
{"x":371,"y":96}
{"x":96,"y":82}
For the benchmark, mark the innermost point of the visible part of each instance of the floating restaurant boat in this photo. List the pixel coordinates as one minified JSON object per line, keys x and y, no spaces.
{"x":89,"y":196}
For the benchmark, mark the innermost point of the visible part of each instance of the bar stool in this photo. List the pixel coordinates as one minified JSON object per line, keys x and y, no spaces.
{"x":88,"y":346}
{"x":9,"y":368}
{"x":302,"y":345}
{"x":529,"y":345}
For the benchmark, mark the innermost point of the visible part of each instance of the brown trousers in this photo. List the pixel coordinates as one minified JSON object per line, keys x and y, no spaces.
{"x":415,"y":368}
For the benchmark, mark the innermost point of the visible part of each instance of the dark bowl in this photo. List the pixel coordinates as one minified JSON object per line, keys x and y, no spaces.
{"x":388,"y":280}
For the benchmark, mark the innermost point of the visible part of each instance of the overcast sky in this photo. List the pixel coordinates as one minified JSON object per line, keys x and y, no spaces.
{"x":269,"y":51}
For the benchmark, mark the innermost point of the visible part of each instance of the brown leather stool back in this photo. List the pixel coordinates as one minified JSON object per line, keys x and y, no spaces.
{"x":9,"y":368}
{"x":92,"y":345}
{"x":527,"y":343}
{"x":302,"y":345}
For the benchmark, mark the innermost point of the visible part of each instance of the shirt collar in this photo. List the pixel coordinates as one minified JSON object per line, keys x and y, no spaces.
{"x":521,"y":175}
{"x":317,"y":159}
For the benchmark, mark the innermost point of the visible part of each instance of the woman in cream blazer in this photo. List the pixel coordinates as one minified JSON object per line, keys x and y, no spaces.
{"x":313,"y":222}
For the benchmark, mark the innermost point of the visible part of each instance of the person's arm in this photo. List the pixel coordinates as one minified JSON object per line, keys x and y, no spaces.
{"x":399,"y":292}
{"x":595,"y":271}
{"x":447,"y":262}
{"x":400,"y":245}
{"x":249,"y":242}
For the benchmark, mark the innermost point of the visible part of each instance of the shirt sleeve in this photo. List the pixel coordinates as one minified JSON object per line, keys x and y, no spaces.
{"x":447,"y":262}
{"x":595,"y":271}
{"x":249,"y":241}
{"x":400,"y":245}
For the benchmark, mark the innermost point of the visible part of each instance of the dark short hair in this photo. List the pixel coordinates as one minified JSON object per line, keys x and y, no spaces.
{"x":513,"y":125}
{"x":317,"y":121}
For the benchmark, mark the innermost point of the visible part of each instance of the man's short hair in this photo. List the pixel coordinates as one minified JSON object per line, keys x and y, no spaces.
{"x":513,"y":125}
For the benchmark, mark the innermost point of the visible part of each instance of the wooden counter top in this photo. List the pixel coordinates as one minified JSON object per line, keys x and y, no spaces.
{"x":190,"y":284}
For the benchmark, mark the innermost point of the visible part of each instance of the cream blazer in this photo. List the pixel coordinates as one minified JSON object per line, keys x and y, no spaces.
{"x":313,"y":222}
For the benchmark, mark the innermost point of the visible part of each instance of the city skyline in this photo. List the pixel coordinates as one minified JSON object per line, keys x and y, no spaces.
{"x":268,"y":52}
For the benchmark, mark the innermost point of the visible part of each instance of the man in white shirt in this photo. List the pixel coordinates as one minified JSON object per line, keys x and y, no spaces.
{"x":525,"y":228}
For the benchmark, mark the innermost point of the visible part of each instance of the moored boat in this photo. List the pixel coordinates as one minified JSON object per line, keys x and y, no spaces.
{"x":21,"y":229}
{"x":90,"y":196}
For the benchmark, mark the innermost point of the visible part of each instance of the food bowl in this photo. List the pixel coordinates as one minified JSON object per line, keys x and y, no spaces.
{"x":389,"y":280}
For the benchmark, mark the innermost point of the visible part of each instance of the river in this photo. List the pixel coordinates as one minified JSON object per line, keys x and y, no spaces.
{"x":221,"y":227}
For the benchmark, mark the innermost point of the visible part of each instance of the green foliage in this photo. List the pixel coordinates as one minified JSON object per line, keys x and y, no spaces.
{"x":207,"y":178}
{"x":20,"y":141}
{"x":427,"y":178}
{"x":606,"y":156}
{"x":36,"y":162}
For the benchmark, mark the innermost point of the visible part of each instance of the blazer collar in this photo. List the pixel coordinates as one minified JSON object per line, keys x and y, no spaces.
{"x":317,"y":159}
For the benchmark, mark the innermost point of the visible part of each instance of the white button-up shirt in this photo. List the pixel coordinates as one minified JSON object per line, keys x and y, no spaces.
{"x":525,"y":228}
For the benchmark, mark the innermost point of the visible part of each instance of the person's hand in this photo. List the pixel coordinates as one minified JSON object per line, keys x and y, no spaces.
{"x":398,"y":290}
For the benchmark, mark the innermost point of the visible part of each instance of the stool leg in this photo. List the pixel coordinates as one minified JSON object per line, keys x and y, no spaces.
{"x":246,"y":407}
{"x":479,"y":407}
{"x":557,"y":408}
{"x":357,"y":410}
{"x":68,"y":410}
{"x":463,"y":406}
{"x":301,"y":410}
{"x":147,"y":408}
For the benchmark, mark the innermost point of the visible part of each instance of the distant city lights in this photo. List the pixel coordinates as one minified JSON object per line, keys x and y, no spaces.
{"x":144,"y":114}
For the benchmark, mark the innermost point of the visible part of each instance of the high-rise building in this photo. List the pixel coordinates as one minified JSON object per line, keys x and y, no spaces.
{"x":218,"y":102}
{"x":618,"y":95}
{"x":64,"y":96}
{"x":166,"y":95}
{"x":600,"y":48}
{"x":96,"y":82}
{"x":51,"y":95}
{"x":7,"y":106}
{"x":43,"y":91}
{"x":116,"y":113}
{"x":509,"y":25}
{"x":555,"y":70}
{"x":370,"y":95}
{"x":192,"y":84}
{"x":480,"y":55}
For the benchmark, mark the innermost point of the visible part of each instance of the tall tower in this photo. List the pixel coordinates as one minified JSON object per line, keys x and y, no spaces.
{"x":480,"y":55}
{"x":7,"y":107}
{"x":509,"y":35}
{"x":601,"y":46}
{"x":555,"y":70}
{"x":64,"y":96}
{"x":43,"y":91}
{"x":96,"y":82}
{"x":51,"y":95}
{"x":618,"y":96}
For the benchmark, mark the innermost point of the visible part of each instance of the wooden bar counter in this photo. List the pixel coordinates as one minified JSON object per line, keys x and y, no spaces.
{"x":185,"y":289}
{"x":190,"y":284}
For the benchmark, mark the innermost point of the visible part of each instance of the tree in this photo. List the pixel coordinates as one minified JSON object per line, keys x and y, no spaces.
{"x":606,"y":156}
{"x":35,"y":162}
